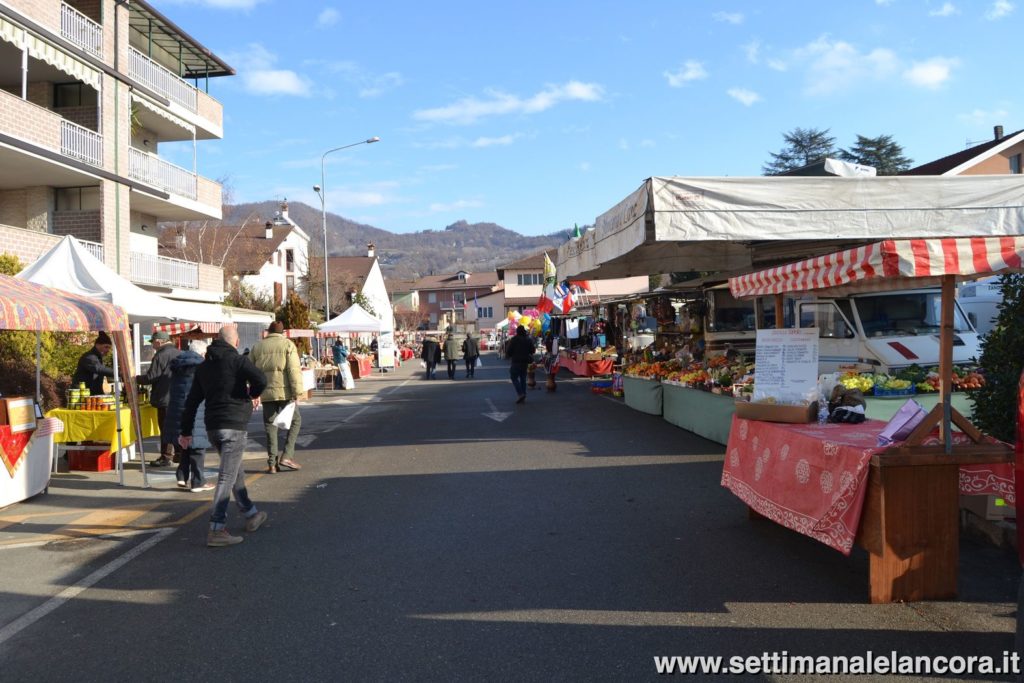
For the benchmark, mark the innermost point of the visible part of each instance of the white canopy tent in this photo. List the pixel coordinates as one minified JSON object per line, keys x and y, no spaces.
{"x":68,"y":266}
{"x":724,"y":224}
{"x":355,"y":319}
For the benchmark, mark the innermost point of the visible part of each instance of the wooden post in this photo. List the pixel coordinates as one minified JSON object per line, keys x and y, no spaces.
{"x":780,"y":316}
{"x":946,"y":359}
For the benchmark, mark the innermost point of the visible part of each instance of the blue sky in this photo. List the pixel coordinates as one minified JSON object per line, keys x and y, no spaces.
{"x":539,"y":115}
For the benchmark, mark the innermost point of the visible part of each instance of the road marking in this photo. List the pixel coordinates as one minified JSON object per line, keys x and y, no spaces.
{"x":305,"y":440}
{"x":368,"y":406}
{"x":24,"y":621}
{"x":495,"y":414}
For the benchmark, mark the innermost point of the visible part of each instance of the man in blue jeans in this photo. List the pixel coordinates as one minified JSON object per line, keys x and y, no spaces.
{"x":231,"y":386}
{"x":519,"y":351}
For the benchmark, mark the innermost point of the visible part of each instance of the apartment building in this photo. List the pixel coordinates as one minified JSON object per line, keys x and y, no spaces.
{"x":89,"y":91}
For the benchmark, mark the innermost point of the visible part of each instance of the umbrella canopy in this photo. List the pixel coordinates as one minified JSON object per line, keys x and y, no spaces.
{"x":354,"y":319}
{"x":28,"y":306}
{"x":887,"y":265}
{"x":69,"y":267}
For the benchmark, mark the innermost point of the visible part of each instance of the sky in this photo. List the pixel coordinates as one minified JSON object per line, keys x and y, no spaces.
{"x":541,"y":115}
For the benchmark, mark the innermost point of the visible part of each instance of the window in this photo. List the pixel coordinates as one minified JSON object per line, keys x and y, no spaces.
{"x":289,"y":260}
{"x":894,"y":315}
{"x":1015,"y":164}
{"x":726,"y":314}
{"x":433,"y":318}
{"x":278,"y":293}
{"x":78,"y":198}
{"x":527,"y":279}
{"x":290,"y":283}
{"x":73,"y":95}
{"x":459,"y":298}
{"x":825,"y":316}
{"x":485,"y":312}
{"x":432,"y":299}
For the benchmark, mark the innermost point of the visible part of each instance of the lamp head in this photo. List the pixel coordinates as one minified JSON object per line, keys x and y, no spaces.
{"x":316,"y":188}
{"x":373,"y":140}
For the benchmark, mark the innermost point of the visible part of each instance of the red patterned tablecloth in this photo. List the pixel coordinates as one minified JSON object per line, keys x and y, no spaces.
{"x":586,"y":368}
{"x":806,"y":477}
{"x":361,"y":365}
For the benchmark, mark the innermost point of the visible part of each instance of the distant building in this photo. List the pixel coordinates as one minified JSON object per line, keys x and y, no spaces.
{"x":351,"y":275}
{"x":1000,"y":155}
{"x":451,"y":293}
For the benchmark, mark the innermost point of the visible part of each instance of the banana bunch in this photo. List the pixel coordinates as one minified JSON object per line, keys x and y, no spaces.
{"x":854,"y":381}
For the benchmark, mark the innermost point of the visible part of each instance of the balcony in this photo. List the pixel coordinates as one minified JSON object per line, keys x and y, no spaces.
{"x":154,"y":171}
{"x":150,"y":269}
{"x":78,"y":142}
{"x":81,"y":30}
{"x":94,"y":248}
{"x":162,"y":80}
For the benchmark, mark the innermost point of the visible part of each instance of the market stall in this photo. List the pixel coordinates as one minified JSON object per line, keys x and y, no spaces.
{"x":26,"y":446}
{"x":355,"y":320}
{"x":586,"y":363}
{"x":910,"y":523}
{"x":101,"y":426}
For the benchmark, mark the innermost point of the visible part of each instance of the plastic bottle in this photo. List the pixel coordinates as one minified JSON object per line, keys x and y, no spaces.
{"x":822,"y":411}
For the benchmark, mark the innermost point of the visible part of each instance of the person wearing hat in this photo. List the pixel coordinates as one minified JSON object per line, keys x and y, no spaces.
{"x":91,"y":368}
{"x":159,"y":377}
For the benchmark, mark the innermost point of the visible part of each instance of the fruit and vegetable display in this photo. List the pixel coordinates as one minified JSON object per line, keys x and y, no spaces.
{"x":912,"y":380}
{"x":716,"y":375}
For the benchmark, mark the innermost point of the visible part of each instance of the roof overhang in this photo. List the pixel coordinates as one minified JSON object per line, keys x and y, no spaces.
{"x":197,"y":60}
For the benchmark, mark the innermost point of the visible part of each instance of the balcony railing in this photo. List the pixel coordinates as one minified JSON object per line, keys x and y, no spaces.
{"x":161,"y":79}
{"x":81,"y":30}
{"x":152,"y":170}
{"x":150,"y":269}
{"x":94,"y":248}
{"x":78,"y":142}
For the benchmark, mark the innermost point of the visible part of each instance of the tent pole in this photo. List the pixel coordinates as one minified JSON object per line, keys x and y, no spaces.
{"x":780,"y":317}
{"x":117,"y":418}
{"x":39,"y":370}
{"x":946,"y":359}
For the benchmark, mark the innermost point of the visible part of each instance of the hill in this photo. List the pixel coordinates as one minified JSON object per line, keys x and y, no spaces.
{"x":461,"y":245}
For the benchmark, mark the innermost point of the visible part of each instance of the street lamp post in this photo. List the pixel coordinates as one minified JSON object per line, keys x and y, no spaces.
{"x":321,"y":191}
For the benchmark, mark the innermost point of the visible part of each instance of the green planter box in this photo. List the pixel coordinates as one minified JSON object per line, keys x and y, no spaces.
{"x":701,"y":412}
{"x":642,"y":394}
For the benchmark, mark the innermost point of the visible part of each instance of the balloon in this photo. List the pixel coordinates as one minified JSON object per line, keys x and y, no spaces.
{"x":525,"y":321}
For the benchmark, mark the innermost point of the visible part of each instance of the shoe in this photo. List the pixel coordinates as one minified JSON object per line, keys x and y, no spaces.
{"x":256,"y":521}
{"x":288,"y":464}
{"x":183,"y":484}
{"x":207,"y":486}
{"x":162,"y":461}
{"x":272,"y":469}
{"x":220,"y":539}
{"x":521,"y":399}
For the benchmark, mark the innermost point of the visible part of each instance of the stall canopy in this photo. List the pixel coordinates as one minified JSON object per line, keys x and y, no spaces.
{"x":70,"y":268}
{"x":28,"y":306}
{"x":721,"y":224}
{"x":355,"y":319}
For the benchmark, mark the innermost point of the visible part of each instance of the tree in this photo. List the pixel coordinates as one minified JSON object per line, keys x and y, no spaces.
{"x":407,"y":319}
{"x":1002,"y":358}
{"x":804,"y":146}
{"x":243,"y":295}
{"x":364,"y":303}
{"x":882,"y":152}
{"x":294,"y":314}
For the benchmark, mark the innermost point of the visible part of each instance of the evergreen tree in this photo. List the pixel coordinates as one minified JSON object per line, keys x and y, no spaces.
{"x":804,"y":146}
{"x":1002,"y":357}
{"x":294,"y":314}
{"x":882,"y":152}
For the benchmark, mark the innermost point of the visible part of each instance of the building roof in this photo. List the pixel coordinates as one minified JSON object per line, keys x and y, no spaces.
{"x":237,"y":249}
{"x":528,"y":301}
{"x":351,"y":269}
{"x":957,"y":159}
{"x":399,"y":286}
{"x":452,"y":281}
{"x":533,"y":262}
{"x":197,"y":60}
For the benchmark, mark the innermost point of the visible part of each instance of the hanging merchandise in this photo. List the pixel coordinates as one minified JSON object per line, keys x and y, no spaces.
{"x":572,"y":329}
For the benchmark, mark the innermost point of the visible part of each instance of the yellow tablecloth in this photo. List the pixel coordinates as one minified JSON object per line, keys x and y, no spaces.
{"x":101,"y":425}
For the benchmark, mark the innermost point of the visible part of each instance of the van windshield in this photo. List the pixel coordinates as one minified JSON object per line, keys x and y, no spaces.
{"x":912,"y":313}
{"x":726,"y":314}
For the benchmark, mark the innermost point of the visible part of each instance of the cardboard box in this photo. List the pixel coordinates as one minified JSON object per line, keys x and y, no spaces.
{"x":19,"y":412}
{"x":770,"y":412}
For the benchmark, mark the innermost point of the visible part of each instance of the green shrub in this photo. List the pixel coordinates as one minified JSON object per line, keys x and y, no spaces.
{"x":1002,"y":358}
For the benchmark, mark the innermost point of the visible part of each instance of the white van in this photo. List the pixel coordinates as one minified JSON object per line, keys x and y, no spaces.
{"x":980,"y":301}
{"x":880,"y":332}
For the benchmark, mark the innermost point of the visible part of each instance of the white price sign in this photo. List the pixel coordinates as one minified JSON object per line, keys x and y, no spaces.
{"x":786,"y":364}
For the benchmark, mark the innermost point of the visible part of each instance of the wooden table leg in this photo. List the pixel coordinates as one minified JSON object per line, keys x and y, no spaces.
{"x":911,"y":531}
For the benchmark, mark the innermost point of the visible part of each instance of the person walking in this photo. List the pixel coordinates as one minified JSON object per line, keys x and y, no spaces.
{"x":431,"y":355}
{"x":91,"y":369}
{"x":470,"y":352}
{"x":519,"y":351}
{"x":452,"y":353}
{"x":158,"y":376}
{"x":231,"y":386}
{"x":276,"y":356}
{"x":190,"y":466}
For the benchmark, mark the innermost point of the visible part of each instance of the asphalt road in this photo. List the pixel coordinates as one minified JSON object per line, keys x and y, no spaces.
{"x":439,"y":532}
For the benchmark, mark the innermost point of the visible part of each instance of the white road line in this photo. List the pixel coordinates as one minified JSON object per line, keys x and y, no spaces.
{"x":24,"y":621}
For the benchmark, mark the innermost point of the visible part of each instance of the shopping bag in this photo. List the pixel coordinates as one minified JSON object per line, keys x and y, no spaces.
{"x":479,"y":363}
{"x":284,"y":417}
{"x":905,"y":421}
{"x":423,"y":364}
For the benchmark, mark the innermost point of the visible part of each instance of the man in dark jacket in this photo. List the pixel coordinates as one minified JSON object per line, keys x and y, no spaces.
{"x":91,"y":368}
{"x":158,"y":375}
{"x":231,"y":386}
{"x":470,"y":352}
{"x":190,"y":469}
{"x":519,"y":351}
{"x":431,"y":355}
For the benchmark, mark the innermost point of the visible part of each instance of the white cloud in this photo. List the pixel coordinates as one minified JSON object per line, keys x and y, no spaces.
{"x":584,"y":166}
{"x":471,"y":109}
{"x":948,"y":9}
{"x":328,"y":17}
{"x":624,"y":144}
{"x":883,"y":3}
{"x":457,"y":205}
{"x":728,"y":17}
{"x":369,"y":84}
{"x":447,"y":143}
{"x":255,"y":67}
{"x":999,"y":9}
{"x":743,"y":96}
{"x":834,"y":66}
{"x":691,"y":70}
{"x":498,"y":141}
{"x":982,"y":117}
{"x":753,"y":51}
{"x":777,"y":65}
{"x":931,"y":73}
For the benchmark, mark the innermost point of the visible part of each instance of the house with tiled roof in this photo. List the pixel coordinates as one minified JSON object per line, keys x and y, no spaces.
{"x":1003,"y":154}
{"x":451,"y":293}
{"x":271,"y":257}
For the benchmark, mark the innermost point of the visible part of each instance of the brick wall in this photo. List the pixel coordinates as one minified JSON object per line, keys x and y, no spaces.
{"x":44,"y":12}
{"x":211,"y":278}
{"x":209,"y":193}
{"x":83,"y":116}
{"x":211,"y":110}
{"x":12,"y":207}
{"x":90,"y":8}
{"x":27,"y":245}
{"x":28,"y":122}
{"x":85,"y":225}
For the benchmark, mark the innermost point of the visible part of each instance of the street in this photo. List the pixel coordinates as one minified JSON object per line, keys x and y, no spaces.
{"x":437,"y":531}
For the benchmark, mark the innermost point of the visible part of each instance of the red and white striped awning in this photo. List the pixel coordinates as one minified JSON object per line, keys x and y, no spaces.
{"x":296,"y":334}
{"x":892,"y":264}
{"x":185,"y":328}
